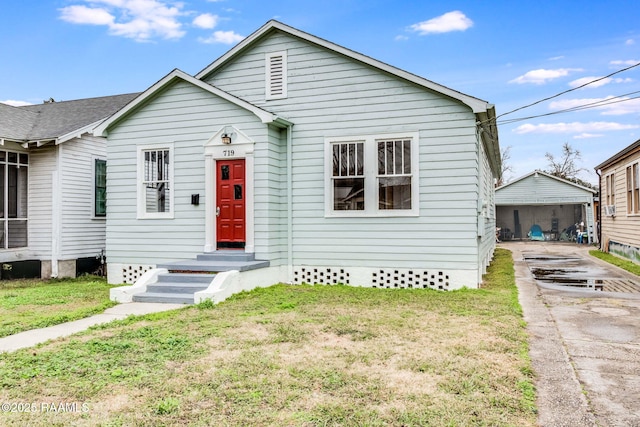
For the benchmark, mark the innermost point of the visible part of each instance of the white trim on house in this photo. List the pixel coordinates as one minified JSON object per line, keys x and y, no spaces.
{"x":241,"y":147}
{"x":141,"y":197}
{"x":477,"y":105}
{"x":371,"y":176}
{"x":263,"y":115}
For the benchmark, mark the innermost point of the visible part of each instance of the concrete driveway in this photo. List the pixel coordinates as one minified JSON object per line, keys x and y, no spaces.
{"x":583,"y":317}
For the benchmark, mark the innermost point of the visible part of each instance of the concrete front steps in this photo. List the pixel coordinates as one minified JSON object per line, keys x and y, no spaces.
{"x":185,"y":278}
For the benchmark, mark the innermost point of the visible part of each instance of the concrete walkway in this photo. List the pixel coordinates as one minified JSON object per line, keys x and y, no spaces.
{"x":121,"y":311}
{"x":584,"y":344}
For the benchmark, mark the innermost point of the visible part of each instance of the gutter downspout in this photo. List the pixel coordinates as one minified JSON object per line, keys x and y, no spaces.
{"x":289,"y":203}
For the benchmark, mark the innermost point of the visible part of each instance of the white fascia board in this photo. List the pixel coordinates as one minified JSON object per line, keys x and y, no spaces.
{"x":264,"y":116}
{"x":77,"y":133}
{"x":476,"y":105}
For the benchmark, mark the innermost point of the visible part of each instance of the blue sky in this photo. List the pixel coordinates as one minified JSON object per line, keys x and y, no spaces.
{"x":510,"y":53}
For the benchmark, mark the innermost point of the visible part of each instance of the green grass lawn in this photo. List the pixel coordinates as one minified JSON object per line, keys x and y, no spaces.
{"x":630,"y":266}
{"x":293,"y":356}
{"x":29,"y":304}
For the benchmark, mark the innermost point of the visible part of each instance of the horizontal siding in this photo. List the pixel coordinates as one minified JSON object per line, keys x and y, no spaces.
{"x":331,"y":95}
{"x":187,"y":117}
{"x":81,"y":234}
{"x":540,"y":190}
{"x":42,"y":164}
{"x":623,"y":228}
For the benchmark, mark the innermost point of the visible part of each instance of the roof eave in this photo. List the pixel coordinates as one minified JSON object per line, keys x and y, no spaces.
{"x":102,"y":128}
{"x":619,"y":155}
{"x":476,"y":105}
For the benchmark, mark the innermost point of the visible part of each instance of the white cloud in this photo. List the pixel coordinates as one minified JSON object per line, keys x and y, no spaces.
{"x":79,"y":14}
{"x":587,"y":136}
{"x":584,"y":80}
{"x":141,"y":20}
{"x":574,"y":127}
{"x":16,"y":103}
{"x":451,"y":21}
{"x":401,"y":38}
{"x":625,"y":62}
{"x":556,"y":58}
{"x":630,"y":42}
{"x":206,"y":21}
{"x":224,"y":37}
{"x":542,"y":76}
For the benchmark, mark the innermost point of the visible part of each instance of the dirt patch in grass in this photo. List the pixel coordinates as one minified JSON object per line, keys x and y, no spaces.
{"x":298,"y":356}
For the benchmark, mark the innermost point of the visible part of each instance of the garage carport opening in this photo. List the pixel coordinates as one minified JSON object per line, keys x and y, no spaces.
{"x":543,"y":207}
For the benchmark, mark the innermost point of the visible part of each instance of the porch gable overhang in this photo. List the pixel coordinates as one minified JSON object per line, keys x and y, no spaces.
{"x":175,"y":75}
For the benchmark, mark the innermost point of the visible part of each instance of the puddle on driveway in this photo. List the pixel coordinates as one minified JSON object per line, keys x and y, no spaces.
{"x":576,"y":272}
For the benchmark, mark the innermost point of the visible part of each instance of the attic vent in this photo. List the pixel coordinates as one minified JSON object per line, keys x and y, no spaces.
{"x":276,"y":75}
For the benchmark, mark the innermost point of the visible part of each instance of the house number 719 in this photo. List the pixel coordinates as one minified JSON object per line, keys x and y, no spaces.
{"x":228,"y":153}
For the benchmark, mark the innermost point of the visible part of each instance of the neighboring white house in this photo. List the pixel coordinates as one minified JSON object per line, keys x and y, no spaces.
{"x":329,"y":164}
{"x":52,"y":186}
{"x":554,"y":204}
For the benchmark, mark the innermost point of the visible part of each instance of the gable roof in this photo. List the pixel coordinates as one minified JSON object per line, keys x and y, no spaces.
{"x":173,"y":76}
{"x":477,"y":105}
{"x":548,"y":175}
{"x":619,"y":155}
{"x":57,"y":121}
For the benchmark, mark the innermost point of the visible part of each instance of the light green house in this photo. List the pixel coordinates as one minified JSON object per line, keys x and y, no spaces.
{"x":327,"y":164}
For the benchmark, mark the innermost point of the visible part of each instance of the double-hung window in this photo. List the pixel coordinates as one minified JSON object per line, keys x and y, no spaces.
{"x":633,"y":189}
{"x":155,"y":182}
{"x":375,"y":175}
{"x":610,"y":183}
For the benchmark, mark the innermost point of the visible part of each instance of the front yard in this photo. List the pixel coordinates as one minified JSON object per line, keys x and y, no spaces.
{"x":294,"y":356}
{"x":30,"y":304}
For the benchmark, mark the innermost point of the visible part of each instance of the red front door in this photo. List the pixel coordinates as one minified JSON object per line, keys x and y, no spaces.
{"x":230,"y":198}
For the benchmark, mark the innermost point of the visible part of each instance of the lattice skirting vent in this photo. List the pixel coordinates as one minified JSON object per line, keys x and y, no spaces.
{"x":410,"y":279}
{"x":131,"y":273}
{"x":321,"y":276}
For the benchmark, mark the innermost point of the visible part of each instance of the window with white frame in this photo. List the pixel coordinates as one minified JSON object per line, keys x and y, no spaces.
{"x":372,"y":175}
{"x":155,"y":182}
{"x":100,"y":188}
{"x":633,"y":189}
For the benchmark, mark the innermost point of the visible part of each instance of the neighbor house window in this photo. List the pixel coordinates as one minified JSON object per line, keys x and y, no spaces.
{"x":14,"y":173}
{"x":372,"y":175}
{"x":100,"y":188}
{"x":155,"y":186}
{"x":610,"y":183}
{"x":633,"y":189}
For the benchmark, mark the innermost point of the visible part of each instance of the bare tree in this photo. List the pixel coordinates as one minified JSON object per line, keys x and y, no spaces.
{"x":566,"y":166}
{"x":505,"y":156}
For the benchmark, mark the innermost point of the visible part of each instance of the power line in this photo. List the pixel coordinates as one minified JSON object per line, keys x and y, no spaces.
{"x":596,"y":104}
{"x":569,"y":90}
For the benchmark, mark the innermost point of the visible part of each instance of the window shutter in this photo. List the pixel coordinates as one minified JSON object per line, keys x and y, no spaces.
{"x":276,"y":78}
